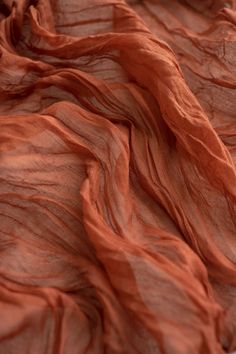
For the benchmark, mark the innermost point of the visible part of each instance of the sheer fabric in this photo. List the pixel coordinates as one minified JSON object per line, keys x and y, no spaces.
{"x":118,"y":179}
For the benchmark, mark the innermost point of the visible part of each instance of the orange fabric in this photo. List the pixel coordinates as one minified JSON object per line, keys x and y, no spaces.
{"x":118,"y":179}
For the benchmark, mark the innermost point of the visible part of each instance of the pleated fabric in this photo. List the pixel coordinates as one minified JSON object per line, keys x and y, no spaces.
{"x":118,"y":177}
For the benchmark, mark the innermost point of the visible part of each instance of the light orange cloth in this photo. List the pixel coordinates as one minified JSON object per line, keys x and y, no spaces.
{"x":117,"y":177}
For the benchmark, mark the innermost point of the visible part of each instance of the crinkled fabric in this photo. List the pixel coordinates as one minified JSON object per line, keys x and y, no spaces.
{"x":118,"y":177}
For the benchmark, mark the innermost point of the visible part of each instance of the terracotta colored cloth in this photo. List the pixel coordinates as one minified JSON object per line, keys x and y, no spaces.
{"x":118,"y":178}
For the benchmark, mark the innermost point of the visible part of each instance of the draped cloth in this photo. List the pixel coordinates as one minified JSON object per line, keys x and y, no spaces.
{"x":117,"y":177}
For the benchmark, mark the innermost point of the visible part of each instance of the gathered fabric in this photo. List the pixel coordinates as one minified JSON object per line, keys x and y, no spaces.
{"x":117,"y":176}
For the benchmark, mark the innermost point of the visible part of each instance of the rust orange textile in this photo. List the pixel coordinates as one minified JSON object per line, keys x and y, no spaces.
{"x":117,"y":177}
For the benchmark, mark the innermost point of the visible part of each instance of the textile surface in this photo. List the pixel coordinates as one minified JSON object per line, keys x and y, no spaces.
{"x":118,"y":178}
